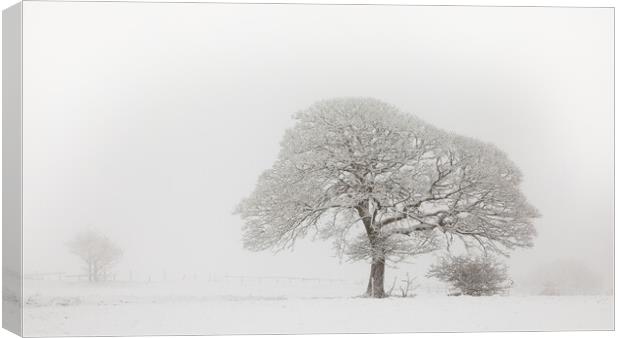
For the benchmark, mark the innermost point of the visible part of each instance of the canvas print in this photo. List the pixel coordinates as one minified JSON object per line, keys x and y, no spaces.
{"x":202,"y":168}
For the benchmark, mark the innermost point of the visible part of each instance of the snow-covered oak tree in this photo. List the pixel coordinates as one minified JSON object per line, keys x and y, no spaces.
{"x":384,"y":186}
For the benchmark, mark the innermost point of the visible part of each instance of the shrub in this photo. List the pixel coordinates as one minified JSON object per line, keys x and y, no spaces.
{"x":472,"y":275}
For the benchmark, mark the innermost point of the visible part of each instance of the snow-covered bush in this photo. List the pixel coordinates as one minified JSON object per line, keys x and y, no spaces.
{"x":472,"y":275}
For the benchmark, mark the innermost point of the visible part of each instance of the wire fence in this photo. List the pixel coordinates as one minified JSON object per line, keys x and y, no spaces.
{"x":166,"y":277}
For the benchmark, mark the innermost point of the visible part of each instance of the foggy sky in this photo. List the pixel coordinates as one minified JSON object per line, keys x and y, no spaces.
{"x":150,"y":122}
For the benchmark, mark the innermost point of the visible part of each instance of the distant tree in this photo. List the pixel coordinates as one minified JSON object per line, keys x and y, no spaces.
{"x":550,"y":289}
{"x":472,"y":275}
{"x":97,"y":251}
{"x":384,"y":186}
{"x":566,"y":276}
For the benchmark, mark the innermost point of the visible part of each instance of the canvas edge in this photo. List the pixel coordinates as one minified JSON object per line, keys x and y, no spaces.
{"x":12,"y":288}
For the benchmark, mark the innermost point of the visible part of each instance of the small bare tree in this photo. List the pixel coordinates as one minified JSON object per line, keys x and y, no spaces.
{"x":472,"y":275}
{"x":407,"y":286}
{"x":97,"y":251}
{"x":391,"y":290}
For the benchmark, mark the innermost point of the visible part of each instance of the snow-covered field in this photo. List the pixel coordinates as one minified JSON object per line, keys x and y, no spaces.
{"x":283,"y":306}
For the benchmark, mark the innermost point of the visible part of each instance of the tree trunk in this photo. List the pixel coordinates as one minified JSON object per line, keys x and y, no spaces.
{"x":377,"y":268}
{"x":375,"y":281}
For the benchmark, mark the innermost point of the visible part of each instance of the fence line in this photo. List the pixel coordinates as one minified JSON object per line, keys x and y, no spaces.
{"x":167,"y":277}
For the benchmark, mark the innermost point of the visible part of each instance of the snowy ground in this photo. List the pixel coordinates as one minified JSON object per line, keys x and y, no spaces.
{"x":281,"y":306}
